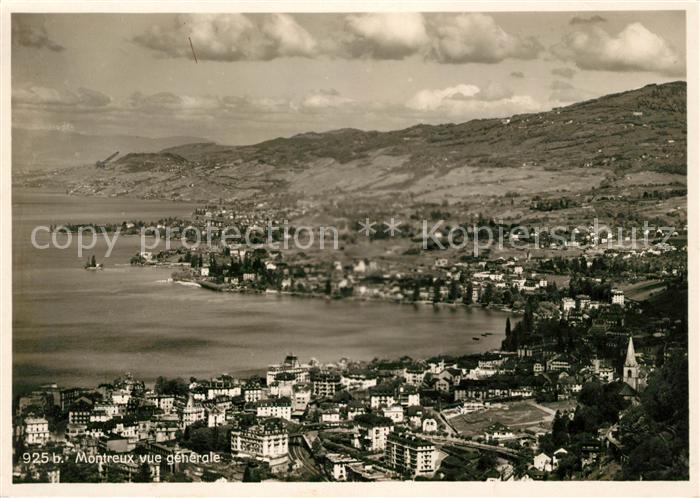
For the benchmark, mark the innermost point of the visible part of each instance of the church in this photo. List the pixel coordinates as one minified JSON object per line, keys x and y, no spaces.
{"x":632,"y":373}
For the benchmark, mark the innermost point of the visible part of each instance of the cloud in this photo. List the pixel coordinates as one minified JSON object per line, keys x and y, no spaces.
{"x":230,"y":37}
{"x":323,"y":99}
{"x":495,"y":91}
{"x":476,"y":37}
{"x":29,"y":30}
{"x":242,"y":119}
{"x":564,"y":72}
{"x":466,"y":100}
{"x":442,"y":38}
{"x":161,"y":100}
{"x":565,"y":93}
{"x":635,"y":48}
{"x":517,"y":74}
{"x":382,"y":36}
{"x":587,"y":20}
{"x":560,"y":85}
{"x":39,"y":96}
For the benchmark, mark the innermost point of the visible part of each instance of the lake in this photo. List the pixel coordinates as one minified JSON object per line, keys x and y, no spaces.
{"x":78,"y":327}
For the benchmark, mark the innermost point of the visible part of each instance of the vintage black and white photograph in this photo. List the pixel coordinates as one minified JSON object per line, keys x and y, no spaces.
{"x":342,"y":246}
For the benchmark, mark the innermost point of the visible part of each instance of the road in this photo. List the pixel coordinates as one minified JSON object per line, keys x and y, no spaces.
{"x":448,"y":427}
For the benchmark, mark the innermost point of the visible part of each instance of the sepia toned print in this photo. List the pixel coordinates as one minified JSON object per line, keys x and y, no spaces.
{"x":350,"y":247}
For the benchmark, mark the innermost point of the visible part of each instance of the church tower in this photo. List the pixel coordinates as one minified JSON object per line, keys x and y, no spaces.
{"x":630,"y":372}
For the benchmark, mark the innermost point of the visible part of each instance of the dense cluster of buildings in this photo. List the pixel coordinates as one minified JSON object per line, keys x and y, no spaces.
{"x":364,"y":421}
{"x":235,"y":265}
{"x":359,"y":421}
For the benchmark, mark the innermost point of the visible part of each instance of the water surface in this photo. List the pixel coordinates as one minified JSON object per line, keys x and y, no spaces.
{"x":77,"y":327}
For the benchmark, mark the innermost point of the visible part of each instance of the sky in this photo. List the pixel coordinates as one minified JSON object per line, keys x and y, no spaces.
{"x":261,"y":76}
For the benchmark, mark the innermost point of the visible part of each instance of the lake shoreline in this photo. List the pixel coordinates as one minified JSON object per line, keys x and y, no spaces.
{"x":213,"y":287}
{"x":70,"y":325}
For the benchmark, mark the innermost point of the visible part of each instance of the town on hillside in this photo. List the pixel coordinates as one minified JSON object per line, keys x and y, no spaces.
{"x":299,"y":247}
{"x":582,"y":391}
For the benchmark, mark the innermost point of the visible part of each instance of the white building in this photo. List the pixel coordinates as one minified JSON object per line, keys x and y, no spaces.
{"x":542,"y":462}
{"x":618,"y":297}
{"x":192,"y":412}
{"x":278,"y":408}
{"x":36,"y":431}
{"x":253,"y":392}
{"x":430,"y":425}
{"x":372,"y":431}
{"x":300,"y":399}
{"x":216,"y":417}
{"x":410,"y":455}
{"x":498,"y":432}
{"x":567,"y":305}
{"x":395,"y":413}
{"x":120,"y":396}
{"x":163,"y":401}
{"x":357,"y":381}
{"x":268,"y":442}
{"x":337,"y":465}
{"x":330,"y":416}
{"x":471,"y":406}
{"x":380,"y":399}
{"x":290,"y":365}
{"x":414,"y":376}
{"x":218,"y":387}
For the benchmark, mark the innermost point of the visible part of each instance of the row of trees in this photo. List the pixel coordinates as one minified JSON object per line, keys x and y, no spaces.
{"x":519,"y":335}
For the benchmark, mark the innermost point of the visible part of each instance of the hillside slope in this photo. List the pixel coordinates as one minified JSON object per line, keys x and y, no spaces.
{"x":568,"y":148}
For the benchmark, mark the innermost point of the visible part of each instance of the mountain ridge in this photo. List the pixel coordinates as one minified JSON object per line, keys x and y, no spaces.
{"x":641,"y":130}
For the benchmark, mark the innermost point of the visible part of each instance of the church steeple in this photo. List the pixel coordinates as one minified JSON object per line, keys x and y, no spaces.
{"x":630,"y":372}
{"x":631,"y":359}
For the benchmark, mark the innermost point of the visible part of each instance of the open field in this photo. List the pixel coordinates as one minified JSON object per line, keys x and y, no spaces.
{"x":518,"y":415}
{"x":641,"y":291}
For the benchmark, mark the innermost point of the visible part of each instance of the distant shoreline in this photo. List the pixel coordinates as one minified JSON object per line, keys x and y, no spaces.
{"x":315,"y":295}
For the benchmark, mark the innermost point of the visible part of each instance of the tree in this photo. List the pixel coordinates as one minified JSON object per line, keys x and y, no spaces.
{"x":436,"y":291}
{"x":568,"y":465}
{"x":113,"y":475}
{"x":655,"y":434}
{"x":416,"y":291}
{"x":486,"y":461}
{"x":560,"y":431}
{"x":507,"y":344}
{"x":251,"y":474}
{"x":176,"y":477}
{"x":469,"y":296}
{"x":454,"y":291}
{"x":488,"y":295}
{"x":143,"y":474}
{"x":171,"y":386}
{"x":74,"y":472}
